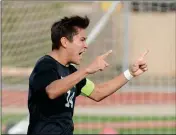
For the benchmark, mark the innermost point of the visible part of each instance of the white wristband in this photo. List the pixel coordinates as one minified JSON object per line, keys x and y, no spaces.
{"x":128,"y":75}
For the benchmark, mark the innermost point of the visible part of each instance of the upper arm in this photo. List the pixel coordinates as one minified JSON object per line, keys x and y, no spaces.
{"x":85,"y":87}
{"x":88,"y":88}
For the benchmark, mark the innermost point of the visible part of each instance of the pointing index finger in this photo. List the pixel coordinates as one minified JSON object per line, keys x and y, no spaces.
{"x":144,"y":54}
{"x":106,"y":54}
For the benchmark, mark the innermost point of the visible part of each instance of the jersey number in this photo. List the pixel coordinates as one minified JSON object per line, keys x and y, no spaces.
{"x":69,"y":99}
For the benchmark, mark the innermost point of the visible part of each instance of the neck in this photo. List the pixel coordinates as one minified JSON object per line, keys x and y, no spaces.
{"x":59,"y":56}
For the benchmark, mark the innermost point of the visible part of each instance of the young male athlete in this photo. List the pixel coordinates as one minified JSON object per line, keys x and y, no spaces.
{"x":55,"y":83}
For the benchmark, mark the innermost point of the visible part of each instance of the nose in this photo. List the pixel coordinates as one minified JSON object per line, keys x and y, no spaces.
{"x":85,"y":46}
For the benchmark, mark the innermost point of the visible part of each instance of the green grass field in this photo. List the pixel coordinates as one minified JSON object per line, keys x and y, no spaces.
{"x":132,"y":131}
{"x":6,"y":119}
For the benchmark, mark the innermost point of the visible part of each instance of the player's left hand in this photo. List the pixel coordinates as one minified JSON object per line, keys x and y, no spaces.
{"x":139,"y":66}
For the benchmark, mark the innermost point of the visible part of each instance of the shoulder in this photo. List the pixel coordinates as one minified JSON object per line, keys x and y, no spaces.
{"x":45,"y":67}
{"x":45,"y":63}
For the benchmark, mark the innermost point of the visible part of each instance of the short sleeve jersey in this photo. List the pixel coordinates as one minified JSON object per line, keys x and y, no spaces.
{"x":51,"y":115}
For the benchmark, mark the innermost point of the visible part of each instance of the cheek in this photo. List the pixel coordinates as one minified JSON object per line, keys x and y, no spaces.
{"x":78,"y":46}
{"x":74,"y":50}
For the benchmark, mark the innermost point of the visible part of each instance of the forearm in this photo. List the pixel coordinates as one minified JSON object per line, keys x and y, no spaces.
{"x":61,"y":86}
{"x":103,"y":90}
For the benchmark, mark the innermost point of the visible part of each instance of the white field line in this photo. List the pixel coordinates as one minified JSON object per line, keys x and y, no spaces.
{"x":119,"y":110}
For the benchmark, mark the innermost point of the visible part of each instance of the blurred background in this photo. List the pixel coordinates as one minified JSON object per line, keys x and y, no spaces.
{"x":146,"y":105}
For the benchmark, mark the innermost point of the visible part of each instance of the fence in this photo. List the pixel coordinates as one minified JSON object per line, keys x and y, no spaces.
{"x":131,"y":28}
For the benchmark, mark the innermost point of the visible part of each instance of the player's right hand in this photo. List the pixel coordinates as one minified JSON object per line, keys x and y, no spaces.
{"x":99,"y":64}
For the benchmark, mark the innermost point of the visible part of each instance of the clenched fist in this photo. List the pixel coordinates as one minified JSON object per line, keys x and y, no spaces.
{"x":99,"y":64}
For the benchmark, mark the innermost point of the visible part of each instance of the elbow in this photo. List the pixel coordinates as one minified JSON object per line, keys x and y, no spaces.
{"x":51,"y":97}
{"x":98,"y":99}
{"x":97,"y":95}
{"x":50,"y":94}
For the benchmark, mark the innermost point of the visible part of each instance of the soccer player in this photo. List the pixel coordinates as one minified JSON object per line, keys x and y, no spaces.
{"x":55,"y":83}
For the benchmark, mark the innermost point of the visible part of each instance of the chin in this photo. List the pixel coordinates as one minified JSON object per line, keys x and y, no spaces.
{"x":76,"y":62}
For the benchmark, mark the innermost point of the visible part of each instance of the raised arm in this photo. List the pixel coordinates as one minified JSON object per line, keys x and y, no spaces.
{"x":103,"y":90}
{"x":71,"y":80}
{"x":59,"y":87}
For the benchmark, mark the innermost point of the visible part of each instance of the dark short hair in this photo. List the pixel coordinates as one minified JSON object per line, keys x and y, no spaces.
{"x":66,"y":27}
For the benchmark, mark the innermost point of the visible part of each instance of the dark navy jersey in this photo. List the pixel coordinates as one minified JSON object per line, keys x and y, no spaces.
{"x":51,"y":116}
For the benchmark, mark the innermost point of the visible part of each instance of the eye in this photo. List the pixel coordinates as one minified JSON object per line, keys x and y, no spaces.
{"x":83,"y":39}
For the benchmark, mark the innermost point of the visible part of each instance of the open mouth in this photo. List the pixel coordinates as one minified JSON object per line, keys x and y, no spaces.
{"x":81,"y":53}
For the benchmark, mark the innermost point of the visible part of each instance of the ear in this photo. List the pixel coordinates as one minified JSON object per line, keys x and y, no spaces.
{"x":64,"y":42}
